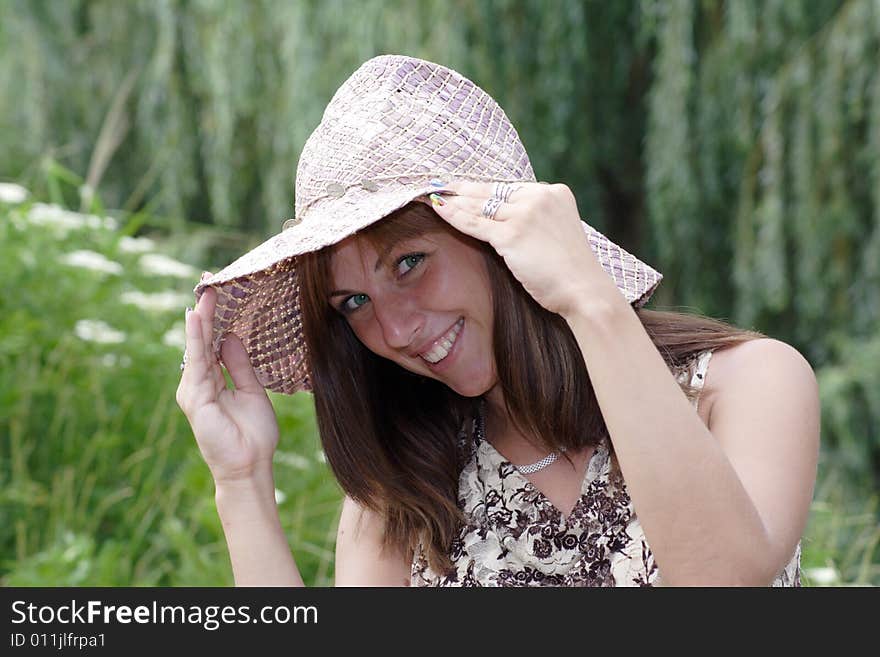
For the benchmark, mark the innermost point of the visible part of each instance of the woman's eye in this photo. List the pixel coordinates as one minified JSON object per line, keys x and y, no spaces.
{"x":405,"y":264}
{"x":354,"y":302}
{"x":409,"y":261}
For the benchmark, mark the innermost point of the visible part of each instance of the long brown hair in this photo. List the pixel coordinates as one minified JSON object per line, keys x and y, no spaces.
{"x":391,"y":437}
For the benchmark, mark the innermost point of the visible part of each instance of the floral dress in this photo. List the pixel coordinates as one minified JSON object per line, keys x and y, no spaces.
{"x":514,"y":536}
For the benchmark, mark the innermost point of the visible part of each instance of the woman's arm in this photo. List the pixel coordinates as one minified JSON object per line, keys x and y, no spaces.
{"x":360,"y":557}
{"x":237,"y":432}
{"x":261,"y":556}
{"x":720,"y":505}
{"x":258,"y":548}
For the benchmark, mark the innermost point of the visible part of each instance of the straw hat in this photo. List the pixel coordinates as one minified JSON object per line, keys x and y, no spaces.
{"x":396,"y":124}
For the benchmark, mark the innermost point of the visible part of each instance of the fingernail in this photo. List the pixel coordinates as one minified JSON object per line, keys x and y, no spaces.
{"x":436,"y":200}
{"x":206,"y":275}
{"x":438,"y":183}
{"x":186,"y":314}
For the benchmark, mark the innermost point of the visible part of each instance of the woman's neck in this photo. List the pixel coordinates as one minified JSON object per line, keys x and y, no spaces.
{"x":500,"y":430}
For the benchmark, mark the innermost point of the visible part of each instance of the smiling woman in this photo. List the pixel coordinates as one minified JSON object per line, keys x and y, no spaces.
{"x":406,"y":413}
{"x":491,"y":395}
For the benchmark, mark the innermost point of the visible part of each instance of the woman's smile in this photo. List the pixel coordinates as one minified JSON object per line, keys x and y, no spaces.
{"x":441,"y":347}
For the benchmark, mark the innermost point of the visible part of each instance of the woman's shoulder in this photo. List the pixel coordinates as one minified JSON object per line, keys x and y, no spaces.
{"x":731,"y":368}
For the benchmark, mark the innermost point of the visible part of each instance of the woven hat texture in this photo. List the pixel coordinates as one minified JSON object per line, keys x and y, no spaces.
{"x":393,"y":126}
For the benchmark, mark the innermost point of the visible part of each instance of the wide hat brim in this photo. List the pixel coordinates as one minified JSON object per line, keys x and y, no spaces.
{"x":258,"y":294}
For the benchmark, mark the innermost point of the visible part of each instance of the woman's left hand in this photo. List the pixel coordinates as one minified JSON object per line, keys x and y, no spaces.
{"x":539,"y":234}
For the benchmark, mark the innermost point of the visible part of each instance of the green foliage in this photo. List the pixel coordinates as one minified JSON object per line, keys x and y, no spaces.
{"x":101,"y":482}
{"x":841,"y":545}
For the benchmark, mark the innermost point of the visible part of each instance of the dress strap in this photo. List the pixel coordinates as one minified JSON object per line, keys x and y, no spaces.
{"x":700,"y":369}
{"x":698,"y":379}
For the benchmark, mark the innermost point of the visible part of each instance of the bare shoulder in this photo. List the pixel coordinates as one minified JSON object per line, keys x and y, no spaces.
{"x":766,"y":418}
{"x":761,"y":364}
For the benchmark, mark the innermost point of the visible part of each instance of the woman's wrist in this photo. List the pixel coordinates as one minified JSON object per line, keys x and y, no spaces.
{"x":594,"y":307}
{"x":258,"y":547}
{"x":247,"y":508}
{"x":259,"y":486}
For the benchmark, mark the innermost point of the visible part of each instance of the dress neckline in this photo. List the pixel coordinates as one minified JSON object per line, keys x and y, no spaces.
{"x":495,"y":461}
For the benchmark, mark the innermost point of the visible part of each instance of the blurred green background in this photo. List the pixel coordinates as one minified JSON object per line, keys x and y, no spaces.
{"x":734,"y":145}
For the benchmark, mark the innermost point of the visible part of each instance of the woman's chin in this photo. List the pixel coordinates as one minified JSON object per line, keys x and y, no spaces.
{"x":470,"y":388}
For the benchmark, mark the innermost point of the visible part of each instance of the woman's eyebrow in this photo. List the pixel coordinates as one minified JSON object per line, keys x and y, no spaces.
{"x":379,"y":262}
{"x":385,"y":251}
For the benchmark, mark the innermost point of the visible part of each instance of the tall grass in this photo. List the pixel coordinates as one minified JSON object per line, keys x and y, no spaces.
{"x":101,"y":482}
{"x":842,"y":539}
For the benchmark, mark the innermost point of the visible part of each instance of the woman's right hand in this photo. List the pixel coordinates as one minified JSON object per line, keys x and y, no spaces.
{"x":236,"y":429}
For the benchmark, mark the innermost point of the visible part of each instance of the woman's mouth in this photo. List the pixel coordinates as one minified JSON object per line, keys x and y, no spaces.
{"x":442,"y":346}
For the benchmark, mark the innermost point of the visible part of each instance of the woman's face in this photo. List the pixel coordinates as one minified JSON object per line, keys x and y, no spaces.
{"x":425,"y":305}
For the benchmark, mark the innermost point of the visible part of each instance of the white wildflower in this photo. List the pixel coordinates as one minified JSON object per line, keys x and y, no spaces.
{"x":279,"y":496}
{"x":91,"y":260}
{"x":175,"y":337}
{"x":94,"y":221}
{"x":161,"y":265}
{"x":42,"y":214}
{"x":12,"y":193}
{"x":156,"y":301}
{"x":94,"y":330}
{"x":823,"y":576}
{"x":136,"y":244}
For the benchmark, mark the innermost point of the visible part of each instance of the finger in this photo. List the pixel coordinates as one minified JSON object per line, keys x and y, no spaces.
{"x":519,"y":191}
{"x":460,"y":216}
{"x":502,"y":212}
{"x":195,"y":343}
{"x":476,"y":206}
{"x":483,"y":190}
{"x":205,"y":309}
{"x":467,"y":188}
{"x":238,"y":364}
{"x":199,"y":382}
{"x":194,"y":377}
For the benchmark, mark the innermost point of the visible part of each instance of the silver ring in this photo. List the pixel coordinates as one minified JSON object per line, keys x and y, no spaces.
{"x":503,"y":190}
{"x":491,"y":207}
{"x":183,"y":362}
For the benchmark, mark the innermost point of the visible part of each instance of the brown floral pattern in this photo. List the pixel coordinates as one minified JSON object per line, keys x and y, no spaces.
{"x":514,"y":536}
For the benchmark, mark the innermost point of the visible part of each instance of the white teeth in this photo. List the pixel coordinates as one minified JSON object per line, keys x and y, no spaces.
{"x":441,"y":349}
{"x":436,"y":354}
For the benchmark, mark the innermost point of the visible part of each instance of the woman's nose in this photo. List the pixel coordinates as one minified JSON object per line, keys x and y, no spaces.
{"x":399,"y":321}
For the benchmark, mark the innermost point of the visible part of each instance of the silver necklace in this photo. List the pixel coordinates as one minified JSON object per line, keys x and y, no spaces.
{"x":531,"y":468}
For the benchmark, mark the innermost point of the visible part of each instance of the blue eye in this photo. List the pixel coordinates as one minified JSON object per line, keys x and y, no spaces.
{"x":411,"y":261}
{"x":404,"y":264}
{"x":354,"y":302}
